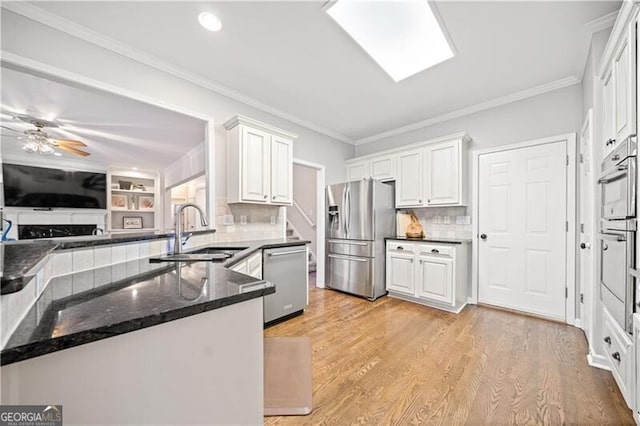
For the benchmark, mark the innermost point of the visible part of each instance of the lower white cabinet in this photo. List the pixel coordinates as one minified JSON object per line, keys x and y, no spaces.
{"x":618,"y":348}
{"x":433,"y":274}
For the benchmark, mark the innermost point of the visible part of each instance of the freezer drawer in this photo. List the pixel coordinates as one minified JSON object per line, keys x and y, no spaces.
{"x":351,"y":247}
{"x":350,"y":274}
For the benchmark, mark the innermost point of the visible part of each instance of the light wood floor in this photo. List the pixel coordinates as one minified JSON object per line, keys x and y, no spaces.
{"x":391,"y":362}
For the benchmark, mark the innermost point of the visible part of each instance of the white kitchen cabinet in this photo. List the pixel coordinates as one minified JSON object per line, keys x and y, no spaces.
{"x":636,"y":368}
{"x":400,"y":270}
{"x":435,"y":278}
{"x":380,"y":168}
{"x":383,"y":167}
{"x":618,"y":349}
{"x":432,"y":274}
{"x":619,"y":81}
{"x":358,"y":170}
{"x":259,"y":163}
{"x":409,"y":180}
{"x":624,"y":65}
{"x":446,"y":168}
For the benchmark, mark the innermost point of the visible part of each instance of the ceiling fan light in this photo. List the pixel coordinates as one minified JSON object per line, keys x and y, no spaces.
{"x":46,"y":149}
{"x":30,"y":147}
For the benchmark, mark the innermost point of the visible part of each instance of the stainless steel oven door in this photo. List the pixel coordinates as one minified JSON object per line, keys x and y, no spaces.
{"x":617,"y":255}
{"x":619,"y":191}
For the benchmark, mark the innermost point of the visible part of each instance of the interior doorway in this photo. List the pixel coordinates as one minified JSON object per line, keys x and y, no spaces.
{"x":305,"y":218}
{"x":586,"y":203}
{"x":192,"y":191}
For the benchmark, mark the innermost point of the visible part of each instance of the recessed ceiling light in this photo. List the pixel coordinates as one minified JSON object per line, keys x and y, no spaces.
{"x":210,"y":21}
{"x":403,"y":37}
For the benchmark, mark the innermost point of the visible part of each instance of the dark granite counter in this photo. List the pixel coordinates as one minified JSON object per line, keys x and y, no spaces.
{"x":440,"y":240}
{"x":92,"y":305}
{"x":17,"y":260}
{"x":67,"y":315}
{"x":19,"y":257}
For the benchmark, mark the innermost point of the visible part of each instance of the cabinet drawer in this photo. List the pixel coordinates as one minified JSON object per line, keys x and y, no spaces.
{"x":402,"y":247}
{"x":436,"y":250}
{"x":619,"y":352}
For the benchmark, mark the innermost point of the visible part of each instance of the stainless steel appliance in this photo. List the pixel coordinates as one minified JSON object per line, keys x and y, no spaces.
{"x":360,"y":215}
{"x":618,"y":233}
{"x":287,"y":269}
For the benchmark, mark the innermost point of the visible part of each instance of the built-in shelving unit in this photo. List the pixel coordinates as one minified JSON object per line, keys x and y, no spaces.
{"x":134,"y":200}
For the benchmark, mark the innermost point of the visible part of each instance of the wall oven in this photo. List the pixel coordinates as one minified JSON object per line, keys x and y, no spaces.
{"x":618,"y":233}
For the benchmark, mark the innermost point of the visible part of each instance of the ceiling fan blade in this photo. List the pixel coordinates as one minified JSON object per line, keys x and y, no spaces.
{"x":69,"y":142}
{"x":73,"y":150}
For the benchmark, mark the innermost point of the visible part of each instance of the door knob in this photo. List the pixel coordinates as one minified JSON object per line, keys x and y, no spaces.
{"x":483,"y":236}
{"x":585,"y":246}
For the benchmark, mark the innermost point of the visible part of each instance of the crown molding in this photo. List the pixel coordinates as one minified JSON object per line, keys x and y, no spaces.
{"x":69,"y":27}
{"x":503,"y":100}
{"x":241,"y":119}
{"x":626,"y":13}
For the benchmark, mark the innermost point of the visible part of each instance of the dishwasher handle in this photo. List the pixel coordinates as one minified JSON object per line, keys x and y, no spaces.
{"x":284,"y":253}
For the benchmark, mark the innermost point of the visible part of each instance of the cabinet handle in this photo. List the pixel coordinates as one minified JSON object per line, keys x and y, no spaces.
{"x":615,"y":157}
{"x":428,"y":200}
{"x":607,"y":340}
{"x":400,"y":248}
{"x":265,"y":197}
{"x":419,"y":201}
{"x":605,"y":247}
{"x":273,"y":198}
{"x":616,"y":356}
{"x":435,"y":251}
{"x":411,"y":260}
{"x":421,"y":261}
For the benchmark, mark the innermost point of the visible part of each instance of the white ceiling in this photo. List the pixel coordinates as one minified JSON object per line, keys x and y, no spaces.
{"x":294,"y":58}
{"x":118,"y":131}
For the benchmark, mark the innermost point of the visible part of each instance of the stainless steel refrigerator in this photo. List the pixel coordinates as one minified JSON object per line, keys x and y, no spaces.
{"x":360,"y":215}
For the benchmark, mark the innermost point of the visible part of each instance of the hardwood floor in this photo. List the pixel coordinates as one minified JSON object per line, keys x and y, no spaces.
{"x":393,"y":362}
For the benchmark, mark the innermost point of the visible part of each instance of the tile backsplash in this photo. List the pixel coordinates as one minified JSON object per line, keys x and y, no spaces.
{"x":248,"y":221}
{"x":450,"y":222}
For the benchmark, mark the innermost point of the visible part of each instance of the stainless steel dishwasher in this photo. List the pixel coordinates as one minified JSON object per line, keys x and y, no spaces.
{"x":288,"y":269}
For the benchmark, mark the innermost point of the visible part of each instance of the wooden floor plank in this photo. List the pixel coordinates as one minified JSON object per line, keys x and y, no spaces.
{"x":394,"y":362}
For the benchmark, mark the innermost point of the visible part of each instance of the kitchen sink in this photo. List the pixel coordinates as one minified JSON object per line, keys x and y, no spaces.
{"x":207,"y":254}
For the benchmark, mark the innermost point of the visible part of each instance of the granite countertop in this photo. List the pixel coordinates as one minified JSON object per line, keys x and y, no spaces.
{"x":96,"y":304}
{"x":443,"y":240}
{"x":19,"y":257}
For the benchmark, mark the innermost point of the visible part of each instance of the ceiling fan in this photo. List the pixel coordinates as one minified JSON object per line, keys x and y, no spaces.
{"x":38,"y":141}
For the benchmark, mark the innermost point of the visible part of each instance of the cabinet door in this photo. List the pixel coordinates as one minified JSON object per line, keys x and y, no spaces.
{"x":625,"y":87}
{"x":442,"y":174}
{"x":254,"y":265}
{"x":357,"y":171}
{"x":409,"y":179}
{"x":435,"y":278}
{"x":383,"y":168}
{"x":255,"y":175}
{"x":281,"y":170}
{"x":401,"y":273}
{"x":608,"y":108}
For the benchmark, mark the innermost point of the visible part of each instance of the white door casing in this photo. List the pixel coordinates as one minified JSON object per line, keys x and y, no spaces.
{"x":522,"y":210}
{"x":586,"y":254}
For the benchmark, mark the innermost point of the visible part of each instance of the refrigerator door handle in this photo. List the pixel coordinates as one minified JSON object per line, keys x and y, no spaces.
{"x":353,"y":243}
{"x":348,"y":207}
{"x":344,"y":209}
{"x":357,"y":259}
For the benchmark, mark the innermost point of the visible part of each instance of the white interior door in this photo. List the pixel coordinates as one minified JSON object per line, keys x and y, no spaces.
{"x":587,"y":191}
{"x":522,"y":205}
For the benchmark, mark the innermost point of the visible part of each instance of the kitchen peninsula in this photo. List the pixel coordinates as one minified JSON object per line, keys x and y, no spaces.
{"x":112,"y":343}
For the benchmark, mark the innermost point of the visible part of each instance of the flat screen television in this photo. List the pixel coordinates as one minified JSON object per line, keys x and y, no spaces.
{"x":40,"y":187}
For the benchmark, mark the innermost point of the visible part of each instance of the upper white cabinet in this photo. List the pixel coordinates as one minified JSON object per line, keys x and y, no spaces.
{"x":446,"y":170}
{"x":428,"y":174}
{"x":259,"y":163}
{"x":619,"y":80}
{"x":381,"y":168}
{"x":410,"y":178}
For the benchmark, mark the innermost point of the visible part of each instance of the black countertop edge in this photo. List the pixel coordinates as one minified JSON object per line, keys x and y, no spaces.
{"x":18,"y":260}
{"x":121,"y":239}
{"x":441,"y":240}
{"x":32,"y":350}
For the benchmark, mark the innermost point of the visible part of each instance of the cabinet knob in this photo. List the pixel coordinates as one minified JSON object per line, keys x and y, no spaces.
{"x":616,"y":356}
{"x":607,"y":340}
{"x":435,"y":251}
{"x":420,"y":201}
{"x":421,"y":261}
{"x":273,"y":198}
{"x":428,"y":200}
{"x":483,"y":236}
{"x":400,"y":248}
{"x":265,"y":197}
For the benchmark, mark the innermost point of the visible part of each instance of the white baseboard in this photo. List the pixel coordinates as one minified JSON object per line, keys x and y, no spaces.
{"x":598,"y":361}
{"x":578,"y":323}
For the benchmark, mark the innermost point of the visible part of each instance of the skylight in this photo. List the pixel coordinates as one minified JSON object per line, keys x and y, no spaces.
{"x":403,"y":37}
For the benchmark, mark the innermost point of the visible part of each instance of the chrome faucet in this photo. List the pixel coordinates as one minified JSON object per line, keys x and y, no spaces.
{"x":177,"y":244}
